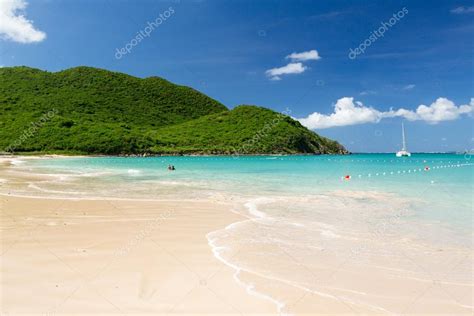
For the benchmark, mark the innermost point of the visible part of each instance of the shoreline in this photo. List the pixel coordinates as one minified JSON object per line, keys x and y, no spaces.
{"x":54,"y":216}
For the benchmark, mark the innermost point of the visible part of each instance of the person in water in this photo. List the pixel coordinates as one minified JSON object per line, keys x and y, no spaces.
{"x":171,"y":167}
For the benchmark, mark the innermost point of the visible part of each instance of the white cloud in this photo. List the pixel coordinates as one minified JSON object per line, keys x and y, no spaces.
{"x":13,"y":24}
{"x":463,"y":10}
{"x":442,"y":110}
{"x":409,"y":87}
{"x":368,"y":92}
{"x":291,"y":68}
{"x":295,"y":66}
{"x":347,"y":112}
{"x":304,"y":56}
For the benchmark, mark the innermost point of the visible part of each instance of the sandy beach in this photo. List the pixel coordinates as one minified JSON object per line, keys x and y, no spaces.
{"x":78,"y":256}
{"x":107,"y":257}
{"x":70,"y":256}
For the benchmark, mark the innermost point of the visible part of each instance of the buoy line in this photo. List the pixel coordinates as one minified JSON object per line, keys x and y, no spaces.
{"x":400,"y":172}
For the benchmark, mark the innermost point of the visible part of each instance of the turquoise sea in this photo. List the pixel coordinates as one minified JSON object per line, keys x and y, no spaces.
{"x":398,"y":217}
{"x":442,"y":193}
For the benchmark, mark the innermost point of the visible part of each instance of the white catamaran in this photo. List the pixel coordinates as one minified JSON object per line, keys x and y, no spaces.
{"x":403,"y":152}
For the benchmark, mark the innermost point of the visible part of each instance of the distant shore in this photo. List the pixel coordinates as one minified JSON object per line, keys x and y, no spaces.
{"x":51,"y":155}
{"x":65,"y":155}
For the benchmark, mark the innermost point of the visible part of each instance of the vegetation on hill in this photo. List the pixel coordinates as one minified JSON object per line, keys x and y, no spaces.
{"x":93,"y":111}
{"x":244,"y":130}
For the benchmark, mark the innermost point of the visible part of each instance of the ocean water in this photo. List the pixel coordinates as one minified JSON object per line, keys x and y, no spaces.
{"x":405,"y":219}
{"x":446,"y":187}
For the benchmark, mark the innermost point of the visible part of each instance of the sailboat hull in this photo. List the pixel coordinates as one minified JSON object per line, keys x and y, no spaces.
{"x":403,"y":154}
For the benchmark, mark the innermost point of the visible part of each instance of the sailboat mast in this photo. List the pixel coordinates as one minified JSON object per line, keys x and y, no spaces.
{"x":403,"y":137}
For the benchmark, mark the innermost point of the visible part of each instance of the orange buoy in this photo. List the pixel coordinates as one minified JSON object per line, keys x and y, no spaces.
{"x":347,"y":177}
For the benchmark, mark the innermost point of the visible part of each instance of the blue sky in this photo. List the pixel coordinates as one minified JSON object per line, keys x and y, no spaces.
{"x":227,"y":50}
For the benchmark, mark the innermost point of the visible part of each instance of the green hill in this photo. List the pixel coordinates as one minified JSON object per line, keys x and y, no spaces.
{"x":93,"y":111}
{"x":244,"y":130}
